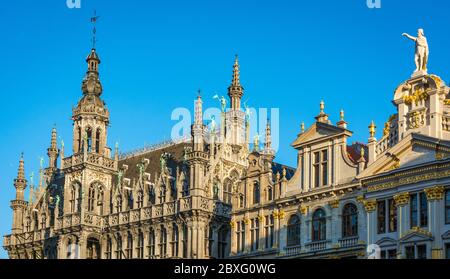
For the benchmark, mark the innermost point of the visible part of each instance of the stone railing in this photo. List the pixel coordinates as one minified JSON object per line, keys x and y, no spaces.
{"x":349,"y":242}
{"x":68,"y":220}
{"x":318,"y":246}
{"x":293,"y":250}
{"x":91,"y":109}
{"x":91,"y":158}
{"x":93,"y":220}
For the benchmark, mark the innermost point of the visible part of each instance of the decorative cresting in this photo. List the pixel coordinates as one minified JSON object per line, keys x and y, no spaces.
{"x":401,"y":199}
{"x":370,"y":205}
{"x":435,"y":193}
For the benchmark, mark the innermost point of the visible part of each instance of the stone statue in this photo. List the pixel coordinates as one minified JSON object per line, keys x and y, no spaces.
{"x":422,"y":51}
{"x":213,"y":124}
{"x":223,"y":102}
{"x":216,"y":190}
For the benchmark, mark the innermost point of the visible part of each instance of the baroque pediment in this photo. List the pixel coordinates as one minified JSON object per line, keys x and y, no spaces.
{"x":318,"y":130}
{"x":416,"y":235}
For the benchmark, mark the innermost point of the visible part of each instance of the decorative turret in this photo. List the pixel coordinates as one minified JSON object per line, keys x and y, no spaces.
{"x":268,"y":140}
{"x":20,"y":183}
{"x":197,"y":129}
{"x":19,"y":204}
{"x":236,"y":91}
{"x":53,"y":152}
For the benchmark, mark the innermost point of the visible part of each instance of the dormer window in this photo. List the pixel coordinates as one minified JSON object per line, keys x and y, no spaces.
{"x":320,"y":168}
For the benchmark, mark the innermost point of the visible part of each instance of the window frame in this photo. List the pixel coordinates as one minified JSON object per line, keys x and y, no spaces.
{"x":293,"y":235}
{"x":320,"y":168}
{"x":350,"y":221}
{"x":319,"y":226}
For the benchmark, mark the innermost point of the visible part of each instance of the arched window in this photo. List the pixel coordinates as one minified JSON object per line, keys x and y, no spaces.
{"x":228,"y":192}
{"x":349,"y":220}
{"x":73,"y":198}
{"x":97,"y":141}
{"x":129,"y":200}
{"x":319,"y":222}
{"x":163,"y":243}
{"x":119,"y":247}
{"x":185,"y":188}
{"x":91,"y":198}
{"x":129,"y":250}
{"x":269,"y":193}
{"x":89,"y":139}
{"x":108,"y":252}
{"x":174,"y":244}
{"x":140,"y":246}
{"x":79,"y":139}
{"x":151,"y":243}
{"x":222,"y":244}
{"x":256,"y":193}
{"x":293,"y":231}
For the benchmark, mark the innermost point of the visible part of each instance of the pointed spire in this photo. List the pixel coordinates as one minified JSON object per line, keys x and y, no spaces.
{"x":236,"y":91}
{"x":21,"y":170}
{"x":236,"y":74}
{"x":199,"y":109}
{"x":20,"y":183}
{"x":52,"y":151}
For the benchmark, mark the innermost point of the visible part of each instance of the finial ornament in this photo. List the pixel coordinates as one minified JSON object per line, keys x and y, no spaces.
{"x":303,"y":127}
{"x":422,"y":51}
{"x":322,"y":107}
{"x":372,"y":129}
{"x":342,"y":115}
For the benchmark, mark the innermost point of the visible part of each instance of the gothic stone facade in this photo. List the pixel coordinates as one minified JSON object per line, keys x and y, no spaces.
{"x":215,"y":197}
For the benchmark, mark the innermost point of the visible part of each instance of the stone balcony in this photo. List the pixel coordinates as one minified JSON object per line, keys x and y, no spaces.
{"x":317,"y":246}
{"x":91,"y":158}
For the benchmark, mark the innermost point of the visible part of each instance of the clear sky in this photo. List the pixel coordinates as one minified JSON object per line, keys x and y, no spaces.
{"x":156,"y":54}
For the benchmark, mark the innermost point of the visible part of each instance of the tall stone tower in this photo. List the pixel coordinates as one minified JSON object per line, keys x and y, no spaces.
{"x":89,"y":171}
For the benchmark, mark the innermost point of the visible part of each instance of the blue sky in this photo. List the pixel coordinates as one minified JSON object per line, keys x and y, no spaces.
{"x":156,"y":54}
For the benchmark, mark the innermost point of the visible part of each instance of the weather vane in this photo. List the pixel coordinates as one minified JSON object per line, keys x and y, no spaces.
{"x":94,"y":20}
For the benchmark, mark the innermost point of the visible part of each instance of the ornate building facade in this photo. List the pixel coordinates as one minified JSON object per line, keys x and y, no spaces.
{"x":219,"y":196}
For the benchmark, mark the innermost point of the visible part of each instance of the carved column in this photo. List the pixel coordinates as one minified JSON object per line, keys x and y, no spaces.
{"x":233,"y":243}
{"x":436,"y":204}
{"x":401,"y":201}
{"x":370,"y":206}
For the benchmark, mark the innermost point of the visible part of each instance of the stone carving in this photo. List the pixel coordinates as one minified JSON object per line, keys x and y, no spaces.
{"x":422,"y":51}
